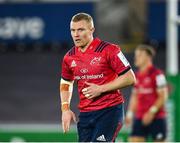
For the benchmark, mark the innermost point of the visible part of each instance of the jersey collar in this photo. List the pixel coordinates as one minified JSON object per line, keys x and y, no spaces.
{"x":147,"y":70}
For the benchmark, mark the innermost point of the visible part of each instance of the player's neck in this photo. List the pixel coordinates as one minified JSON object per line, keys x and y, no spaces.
{"x":84,"y":48}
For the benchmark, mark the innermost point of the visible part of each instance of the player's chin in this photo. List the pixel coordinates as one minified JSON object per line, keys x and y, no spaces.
{"x":78,"y":44}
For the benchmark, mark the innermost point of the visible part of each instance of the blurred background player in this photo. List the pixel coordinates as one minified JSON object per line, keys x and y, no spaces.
{"x":100,"y":69}
{"x":148,"y":99}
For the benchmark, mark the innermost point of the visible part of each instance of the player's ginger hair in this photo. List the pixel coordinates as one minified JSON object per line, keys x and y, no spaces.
{"x":83,"y":16}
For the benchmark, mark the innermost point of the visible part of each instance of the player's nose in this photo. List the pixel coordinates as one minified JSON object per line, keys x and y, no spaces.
{"x":76,"y":34}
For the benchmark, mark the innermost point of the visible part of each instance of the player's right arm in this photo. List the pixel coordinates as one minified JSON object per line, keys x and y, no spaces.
{"x":131,"y":108}
{"x":66,"y":88}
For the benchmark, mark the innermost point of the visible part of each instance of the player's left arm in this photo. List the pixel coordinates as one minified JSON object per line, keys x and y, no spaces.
{"x":122,"y":81}
{"x":94,"y":90}
{"x":162,"y":92}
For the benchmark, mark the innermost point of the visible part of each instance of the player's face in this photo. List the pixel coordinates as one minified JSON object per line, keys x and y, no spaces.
{"x":141,"y":58}
{"x":81,"y":32}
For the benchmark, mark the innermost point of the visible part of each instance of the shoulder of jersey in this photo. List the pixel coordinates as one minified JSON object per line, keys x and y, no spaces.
{"x":159,"y":71}
{"x":71,"y":52}
{"x":102,"y":46}
{"x":156,"y":71}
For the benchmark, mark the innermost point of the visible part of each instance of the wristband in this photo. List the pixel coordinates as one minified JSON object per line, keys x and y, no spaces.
{"x":65,"y":106}
{"x":153,"y":109}
{"x":129,"y":114}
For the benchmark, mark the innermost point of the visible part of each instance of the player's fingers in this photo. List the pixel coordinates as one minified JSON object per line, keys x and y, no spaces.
{"x":127,"y":122}
{"x":87,"y":95}
{"x":145,"y":121}
{"x":63,"y":126}
{"x":91,"y":96}
{"x":87,"y":83}
{"x":84,"y":90}
{"x":67,"y":126}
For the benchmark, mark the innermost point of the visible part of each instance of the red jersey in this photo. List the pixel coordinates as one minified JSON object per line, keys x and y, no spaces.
{"x":146,"y":90}
{"x":101,"y":63}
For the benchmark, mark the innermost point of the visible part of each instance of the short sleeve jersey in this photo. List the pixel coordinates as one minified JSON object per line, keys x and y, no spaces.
{"x":146,"y":88}
{"x":101,"y":63}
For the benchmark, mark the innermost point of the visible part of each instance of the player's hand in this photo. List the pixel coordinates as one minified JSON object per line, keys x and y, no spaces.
{"x":128,"y":121}
{"x":67,"y":116}
{"x":148,"y":118}
{"x":129,"y":118}
{"x":92,"y":91}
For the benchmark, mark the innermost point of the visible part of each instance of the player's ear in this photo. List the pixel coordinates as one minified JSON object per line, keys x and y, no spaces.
{"x":92,"y":29}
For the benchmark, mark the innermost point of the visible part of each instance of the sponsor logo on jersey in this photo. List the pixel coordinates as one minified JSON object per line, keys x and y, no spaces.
{"x":143,"y":90}
{"x":73,"y":64}
{"x":97,"y":76}
{"x":95,"y":60}
{"x":147,"y":80}
{"x":83,"y":70}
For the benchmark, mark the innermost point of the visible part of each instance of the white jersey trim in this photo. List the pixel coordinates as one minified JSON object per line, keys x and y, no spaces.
{"x":161,"y":80}
{"x":123,"y":59}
